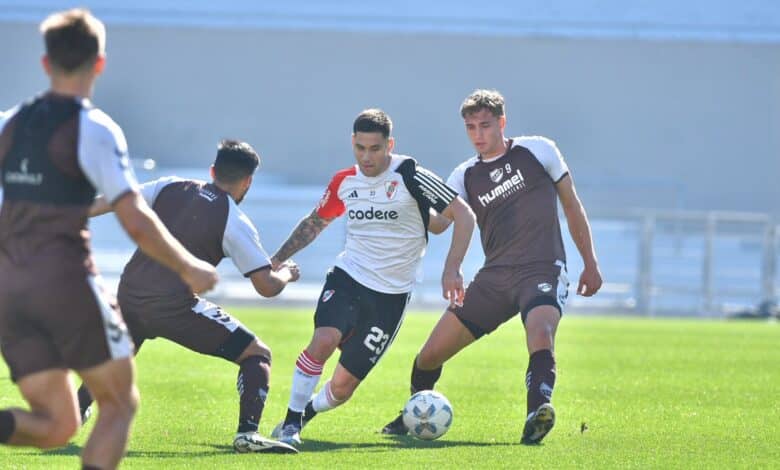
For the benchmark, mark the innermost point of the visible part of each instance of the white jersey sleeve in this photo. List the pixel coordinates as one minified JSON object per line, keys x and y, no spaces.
{"x":548,"y":155}
{"x":241,"y":242}
{"x":103,"y":155}
{"x":151,"y":189}
{"x":456,"y":178}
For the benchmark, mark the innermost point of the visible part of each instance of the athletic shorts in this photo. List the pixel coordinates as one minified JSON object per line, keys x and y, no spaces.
{"x":191,"y":321}
{"x":368,"y":320}
{"x":57,"y":316}
{"x":498,"y":293}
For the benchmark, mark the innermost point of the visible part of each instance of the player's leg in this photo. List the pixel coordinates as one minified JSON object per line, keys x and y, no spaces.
{"x":541,"y":317}
{"x":334,"y":319}
{"x":113,"y":386}
{"x":53,"y":416}
{"x":485,"y":306}
{"x":253,"y":382}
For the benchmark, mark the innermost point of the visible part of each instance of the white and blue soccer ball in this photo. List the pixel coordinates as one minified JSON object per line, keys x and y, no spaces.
{"x":428,"y":415}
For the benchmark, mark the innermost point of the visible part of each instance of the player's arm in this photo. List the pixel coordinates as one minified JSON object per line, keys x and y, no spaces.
{"x":437,"y":223}
{"x":270,"y":283}
{"x":304,"y":233}
{"x":100,"y":206}
{"x":151,"y":236}
{"x":452,"y":279}
{"x":579,"y":228}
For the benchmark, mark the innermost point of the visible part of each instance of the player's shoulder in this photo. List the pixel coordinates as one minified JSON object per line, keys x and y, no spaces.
{"x":98,"y":123}
{"x":466,"y":164}
{"x":534,"y":141}
{"x":403,"y":164}
{"x":339,"y":175}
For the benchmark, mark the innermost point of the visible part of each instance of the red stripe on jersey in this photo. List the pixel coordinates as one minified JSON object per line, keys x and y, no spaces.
{"x":330,"y":205}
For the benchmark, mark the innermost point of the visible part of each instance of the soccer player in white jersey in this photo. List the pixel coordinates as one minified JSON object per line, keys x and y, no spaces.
{"x":513,"y":186}
{"x":56,"y":151}
{"x":388,"y":200}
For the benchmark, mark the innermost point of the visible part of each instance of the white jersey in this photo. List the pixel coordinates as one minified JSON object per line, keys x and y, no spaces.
{"x":387,"y":221}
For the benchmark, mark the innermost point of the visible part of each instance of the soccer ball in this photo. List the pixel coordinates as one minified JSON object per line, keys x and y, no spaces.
{"x":428,"y":415}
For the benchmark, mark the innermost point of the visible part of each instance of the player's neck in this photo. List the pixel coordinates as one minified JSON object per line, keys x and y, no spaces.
{"x":498,"y":151}
{"x":77,"y":86}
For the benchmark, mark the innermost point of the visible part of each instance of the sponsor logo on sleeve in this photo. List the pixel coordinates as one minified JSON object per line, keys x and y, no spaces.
{"x":545,"y":287}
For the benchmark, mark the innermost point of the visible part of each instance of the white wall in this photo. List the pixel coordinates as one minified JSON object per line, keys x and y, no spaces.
{"x":641,"y":123}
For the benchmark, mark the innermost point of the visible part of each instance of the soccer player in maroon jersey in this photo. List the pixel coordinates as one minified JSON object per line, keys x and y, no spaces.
{"x":513,"y":186}
{"x":56,"y":151}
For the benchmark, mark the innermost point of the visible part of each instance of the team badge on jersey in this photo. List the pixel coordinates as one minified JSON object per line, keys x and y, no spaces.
{"x":544,"y":287}
{"x":496,"y":175}
{"x":390,"y":187}
{"x":327,"y":295}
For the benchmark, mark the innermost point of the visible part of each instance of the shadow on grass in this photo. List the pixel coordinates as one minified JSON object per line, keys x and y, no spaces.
{"x":394,"y":443}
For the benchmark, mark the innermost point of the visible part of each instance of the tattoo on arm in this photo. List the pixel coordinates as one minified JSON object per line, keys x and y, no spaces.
{"x":303,"y":234}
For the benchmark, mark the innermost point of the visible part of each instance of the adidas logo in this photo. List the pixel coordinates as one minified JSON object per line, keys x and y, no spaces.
{"x":353,"y":194}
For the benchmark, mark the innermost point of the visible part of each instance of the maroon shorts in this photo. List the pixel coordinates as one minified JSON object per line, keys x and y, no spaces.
{"x":190,"y":321}
{"x":57,"y":316}
{"x":499,"y":293}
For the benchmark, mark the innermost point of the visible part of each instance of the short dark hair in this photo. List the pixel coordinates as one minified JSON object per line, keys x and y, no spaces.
{"x":373,"y":120}
{"x":235,"y":160}
{"x":74,"y":39}
{"x":478,"y":100}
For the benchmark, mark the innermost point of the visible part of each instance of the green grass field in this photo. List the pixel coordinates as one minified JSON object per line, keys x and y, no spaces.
{"x":654,"y":393}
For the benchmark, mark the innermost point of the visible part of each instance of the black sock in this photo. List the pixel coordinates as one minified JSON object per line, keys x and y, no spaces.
{"x":85,"y":399}
{"x":308,"y":412}
{"x":540,"y":378}
{"x":252,"y":387}
{"x":293,"y":417}
{"x":89,"y":467}
{"x":423,"y":379}
{"x":7,"y":425}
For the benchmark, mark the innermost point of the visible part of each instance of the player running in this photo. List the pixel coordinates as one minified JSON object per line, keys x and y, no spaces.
{"x":56,"y":150}
{"x":513,"y":186}
{"x":206,"y":219}
{"x":387,"y":199}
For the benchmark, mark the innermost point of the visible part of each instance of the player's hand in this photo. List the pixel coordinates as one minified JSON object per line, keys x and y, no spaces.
{"x":276,"y":265}
{"x":200,"y":276}
{"x":295,"y":271}
{"x":452,"y":286}
{"x":590,"y":281}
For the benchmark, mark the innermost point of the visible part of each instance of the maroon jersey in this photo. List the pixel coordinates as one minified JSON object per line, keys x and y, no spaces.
{"x":516,"y":202}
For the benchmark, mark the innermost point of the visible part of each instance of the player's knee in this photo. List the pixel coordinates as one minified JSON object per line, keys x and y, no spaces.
{"x":256,"y":348}
{"x":60,"y":431}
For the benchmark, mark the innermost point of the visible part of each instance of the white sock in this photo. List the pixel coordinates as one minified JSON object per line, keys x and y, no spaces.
{"x":324,"y":400}
{"x":307,"y":374}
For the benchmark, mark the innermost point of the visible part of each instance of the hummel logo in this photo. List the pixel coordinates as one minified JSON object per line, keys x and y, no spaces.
{"x":353,"y":194}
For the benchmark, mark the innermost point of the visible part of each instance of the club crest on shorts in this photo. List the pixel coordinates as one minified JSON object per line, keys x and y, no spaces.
{"x":544,"y":287}
{"x":327,"y":295}
{"x":496,"y":175}
{"x":390,"y":187}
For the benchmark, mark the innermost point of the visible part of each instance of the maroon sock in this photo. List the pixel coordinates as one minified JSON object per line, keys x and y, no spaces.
{"x":252,"y":387}
{"x":423,"y":379}
{"x":540,"y":378}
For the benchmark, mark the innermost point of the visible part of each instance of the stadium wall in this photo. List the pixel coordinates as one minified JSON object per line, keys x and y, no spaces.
{"x":642,"y":123}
